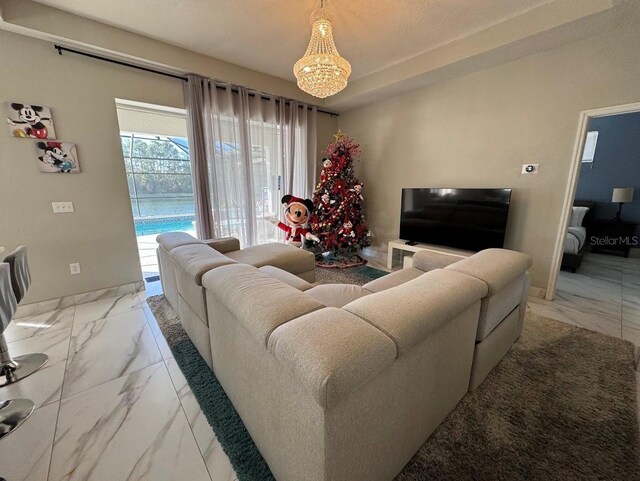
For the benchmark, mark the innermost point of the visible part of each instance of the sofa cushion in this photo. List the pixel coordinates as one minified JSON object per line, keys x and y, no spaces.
{"x":498,"y":305}
{"x":224,"y":244}
{"x":428,"y":260}
{"x":337,"y":295}
{"x":496,"y":267}
{"x":191,"y":294}
{"x":393,"y":279}
{"x":196,"y":259}
{"x":287,"y":278}
{"x":409,"y":312}
{"x":171,"y":240}
{"x":196,"y":329}
{"x":259,"y":301}
{"x":289,"y":258}
{"x":331,"y":352}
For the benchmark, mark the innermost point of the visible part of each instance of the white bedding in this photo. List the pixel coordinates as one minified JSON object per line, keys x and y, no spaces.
{"x":576,"y":237}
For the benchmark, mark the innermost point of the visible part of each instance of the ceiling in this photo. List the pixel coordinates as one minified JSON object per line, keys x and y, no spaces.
{"x":270,"y":35}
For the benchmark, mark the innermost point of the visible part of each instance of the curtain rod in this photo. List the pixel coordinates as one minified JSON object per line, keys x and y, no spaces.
{"x":61,"y":49}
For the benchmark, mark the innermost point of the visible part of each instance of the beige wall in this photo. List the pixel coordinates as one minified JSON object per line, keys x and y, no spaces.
{"x":48,"y":23}
{"x":100,"y":234}
{"x":327,"y":126}
{"x":478,"y":130}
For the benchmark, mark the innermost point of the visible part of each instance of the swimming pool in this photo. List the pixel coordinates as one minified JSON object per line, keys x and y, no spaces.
{"x":152,"y":226}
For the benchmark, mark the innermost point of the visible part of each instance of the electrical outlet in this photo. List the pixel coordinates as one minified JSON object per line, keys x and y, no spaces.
{"x":530,"y":168}
{"x":74,"y":268}
{"x":62,"y":207}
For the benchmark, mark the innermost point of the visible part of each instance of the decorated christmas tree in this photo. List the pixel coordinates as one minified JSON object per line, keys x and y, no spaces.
{"x":338,"y":218}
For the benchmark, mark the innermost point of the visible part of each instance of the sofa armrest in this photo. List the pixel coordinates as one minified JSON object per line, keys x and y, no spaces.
{"x":170,"y":240}
{"x":224,"y":244}
{"x":197,"y":259}
{"x":496,"y":267}
{"x":331,"y":353}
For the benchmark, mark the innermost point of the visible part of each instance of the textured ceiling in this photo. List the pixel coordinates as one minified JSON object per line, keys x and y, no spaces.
{"x":270,"y":35}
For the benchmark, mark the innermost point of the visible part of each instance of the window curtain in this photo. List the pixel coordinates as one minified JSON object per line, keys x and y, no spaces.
{"x":247,"y":149}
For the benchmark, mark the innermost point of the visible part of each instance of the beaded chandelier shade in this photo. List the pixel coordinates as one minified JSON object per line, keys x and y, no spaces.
{"x":322,"y":71}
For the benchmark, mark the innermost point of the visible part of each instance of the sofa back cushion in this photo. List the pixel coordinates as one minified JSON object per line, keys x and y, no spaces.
{"x":257,"y":300}
{"x":171,"y":240}
{"x":409,"y":312}
{"x":393,"y":279}
{"x":331,"y":352}
{"x":197,"y":259}
{"x":504,"y":273}
{"x":337,"y":295}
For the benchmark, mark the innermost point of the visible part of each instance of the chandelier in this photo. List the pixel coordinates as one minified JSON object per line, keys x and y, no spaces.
{"x":322,"y":71}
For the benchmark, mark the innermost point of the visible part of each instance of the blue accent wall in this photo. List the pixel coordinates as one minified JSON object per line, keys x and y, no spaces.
{"x":616,"y":164}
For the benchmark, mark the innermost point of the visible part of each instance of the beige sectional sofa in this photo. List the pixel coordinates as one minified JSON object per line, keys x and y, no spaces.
{"x":341,"y":382}
{"x":338,"y":383}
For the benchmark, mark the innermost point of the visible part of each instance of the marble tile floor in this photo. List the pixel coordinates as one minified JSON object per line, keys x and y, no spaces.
{"x":110,"y":404}
{"x":604,"y":296}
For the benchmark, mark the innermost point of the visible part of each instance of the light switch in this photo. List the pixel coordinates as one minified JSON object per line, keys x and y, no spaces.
{"x":62,"y":207}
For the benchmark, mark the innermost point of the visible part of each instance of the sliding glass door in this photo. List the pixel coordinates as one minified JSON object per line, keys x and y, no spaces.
{"x":246,"y":181}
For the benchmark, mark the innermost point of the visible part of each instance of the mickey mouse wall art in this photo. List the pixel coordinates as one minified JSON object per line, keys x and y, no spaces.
{"x":30,"y":121}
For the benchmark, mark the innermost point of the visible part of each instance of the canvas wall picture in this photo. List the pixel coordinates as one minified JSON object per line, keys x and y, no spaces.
{"x":30,"y":121}
{"x":58,"y":157}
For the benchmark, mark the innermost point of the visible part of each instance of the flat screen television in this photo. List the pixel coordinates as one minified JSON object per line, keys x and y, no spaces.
{"x":468,"y":219}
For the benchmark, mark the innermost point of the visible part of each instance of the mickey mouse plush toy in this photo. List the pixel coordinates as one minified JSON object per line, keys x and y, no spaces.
{"x":296,"y":214}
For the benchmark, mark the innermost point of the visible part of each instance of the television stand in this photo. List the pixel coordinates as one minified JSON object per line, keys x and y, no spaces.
{"x":403,"y":246}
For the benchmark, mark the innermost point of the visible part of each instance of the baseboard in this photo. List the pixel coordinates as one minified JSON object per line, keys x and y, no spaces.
{"x":538,"y":292}
{"x":41,"y":307}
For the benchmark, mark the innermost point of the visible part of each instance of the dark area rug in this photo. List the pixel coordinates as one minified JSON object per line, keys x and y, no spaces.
{"x":561,"y":405}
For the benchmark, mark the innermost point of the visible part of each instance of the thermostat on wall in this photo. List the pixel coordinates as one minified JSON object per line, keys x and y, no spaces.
{"x":529,"y":168}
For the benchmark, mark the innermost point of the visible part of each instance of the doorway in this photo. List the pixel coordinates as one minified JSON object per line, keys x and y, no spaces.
{"x":155,"y":152}
{"x":595,"y":280}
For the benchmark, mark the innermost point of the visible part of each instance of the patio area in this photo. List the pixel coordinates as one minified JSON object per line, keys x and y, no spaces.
{"x":148,"y":260}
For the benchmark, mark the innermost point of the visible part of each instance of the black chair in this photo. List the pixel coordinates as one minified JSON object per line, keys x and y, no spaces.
{"x":14,"y":369}
{"x":14,"y":411}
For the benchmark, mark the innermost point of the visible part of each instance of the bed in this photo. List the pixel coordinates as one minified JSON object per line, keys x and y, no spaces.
{"x":576,"y":244}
